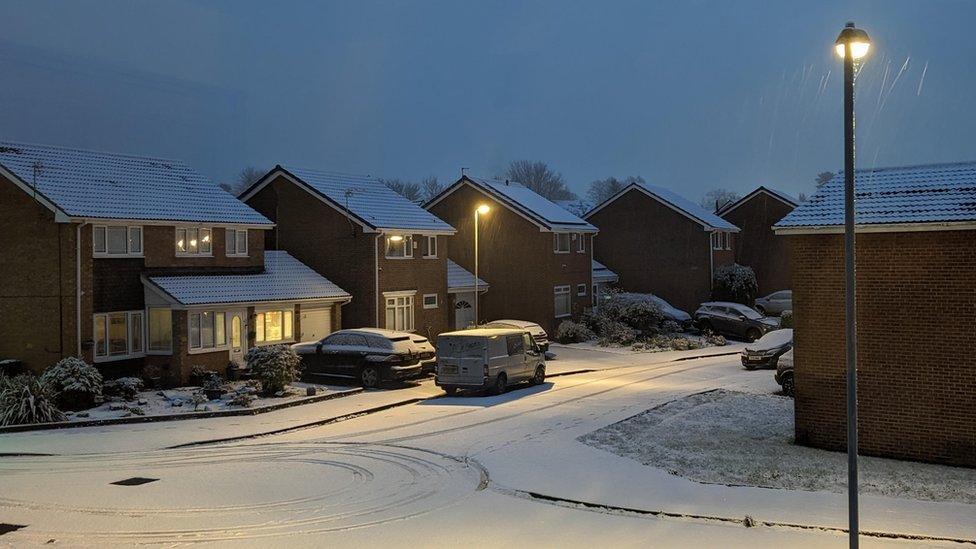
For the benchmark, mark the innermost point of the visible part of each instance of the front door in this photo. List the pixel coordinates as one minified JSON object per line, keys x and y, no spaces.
{"x":238,"y":336}
{"x":463,"y":310}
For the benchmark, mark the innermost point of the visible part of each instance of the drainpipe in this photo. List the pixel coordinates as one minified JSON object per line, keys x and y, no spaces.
{"x":711,"y":263}
{"x":78,"y":284}
{"x":376,"y":281}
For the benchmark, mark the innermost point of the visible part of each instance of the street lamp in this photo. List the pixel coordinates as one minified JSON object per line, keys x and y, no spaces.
{"x":482,"y":209}
{"x":852,"y":44}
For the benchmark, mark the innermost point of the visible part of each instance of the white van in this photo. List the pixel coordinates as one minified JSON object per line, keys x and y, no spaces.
{"x":488,"y":358}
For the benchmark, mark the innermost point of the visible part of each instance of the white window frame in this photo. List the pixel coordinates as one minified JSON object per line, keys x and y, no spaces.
{"x":103,"y":318}
{"x":581,"y":243}
{"x":287,"y":324}
{"x":200,"y":239}
{"x":559,"y":291}
{"x":237,"y":240}
{"x":428,"y":239}
{"x":129,"y":246}
{"x":434,"y":305}
{"x":555,"y":243}
{"x":728,"y":240}
{"x":390,"y":301}
{"x":406,"y":243}
{"x":716,"y":240}
{"x":581,"y":290}
{"x":191,"y":349}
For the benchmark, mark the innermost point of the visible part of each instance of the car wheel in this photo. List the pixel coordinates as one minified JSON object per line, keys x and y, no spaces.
{"x":540,"y":375}
{"x":451,"y":391}
{"x":369,"y":377}
{"x":789,"y":385}
{"x":753,"y":334}
{"x":500,"y":385}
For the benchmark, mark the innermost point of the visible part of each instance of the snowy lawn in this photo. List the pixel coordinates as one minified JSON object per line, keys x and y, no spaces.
{"x":732,"y":438}
{"x":181,"y":401}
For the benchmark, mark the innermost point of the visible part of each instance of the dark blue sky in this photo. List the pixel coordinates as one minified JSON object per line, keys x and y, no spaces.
{"x":690,"y":95}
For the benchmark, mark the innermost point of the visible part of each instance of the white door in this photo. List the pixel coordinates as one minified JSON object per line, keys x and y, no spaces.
{"x":316,"y":323}
{"x":463,"y":310}
{"x":238,"y":336}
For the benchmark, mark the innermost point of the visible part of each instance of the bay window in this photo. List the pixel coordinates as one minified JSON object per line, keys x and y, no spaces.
{"x":118,"y":335}
{"x":399,"y":246}
{"x":117,"y":240}
{"x":399,"y":311}
{"x":193,"y":241}
{"x":207,"y":330}
{"x":273,"y":326}
{"x":236,"y":242}
{"x":563,"y":301}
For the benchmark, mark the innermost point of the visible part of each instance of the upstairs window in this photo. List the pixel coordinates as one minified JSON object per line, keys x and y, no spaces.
{"x":193,"y":241}
{"x":430,"y":247}
{"x":721,"y":240}
{"x":561,"y":243}
{"x":236,"y":242}
{"x":116,"y":240}
{"x":581,"y":243}
{"x":399,"y":246}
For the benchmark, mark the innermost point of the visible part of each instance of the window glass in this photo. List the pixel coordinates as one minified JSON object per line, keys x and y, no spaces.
{"x":527,"y":341}
{"x":181,"y":245}
{"x":207,"y":329}
{"x":272,"y":326}
{"x":430,"y":246}
{"x":135,"y":332}
{"x":581,"y":289}
{"x":235,"y":331}
{"x":236,"y":242}
{"x":563,"y":303}
{"x":118,"y":335}
{"x":135,"y":240}
{"x":399,"y":313}
{"x":286,"y":317}
{"x":581,"y":242}
{"x":193,"y":241}
{"x":399,"y":246}
{"x":242,"y":242}
{"x":160,"y":330}
{"x":562,"y":242}
{"x":220,"y":329}
{"x":205,"y":243}
{"x":100,"y":339}
{"x":116,"y":240}
{"x":259,"y":326}
{"x":194,"y":330}
{"x":430,"y":301}
{"x":516,"y":345}
{"x":98,"y":239}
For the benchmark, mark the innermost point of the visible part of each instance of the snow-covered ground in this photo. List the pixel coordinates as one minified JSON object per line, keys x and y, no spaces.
{"x":734,"y":438}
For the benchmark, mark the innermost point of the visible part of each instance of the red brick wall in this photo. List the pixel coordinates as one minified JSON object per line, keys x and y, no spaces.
{"x":916,"y":312}
{"x":159,"y":243}
{"x":516,"y":259}
{"x":655,"y":249}
{"x":757,"y":246}
{"x":426,"y":276}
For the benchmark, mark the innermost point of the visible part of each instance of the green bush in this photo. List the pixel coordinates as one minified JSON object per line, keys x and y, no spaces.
{"x":275,"y":366}
{"x":786,"y":319}
{"x":127,"y":388}
{"x":572,"y":332}
{"x":74,"y":383}
{"x":25,"y":399}
{"x":735,"y":283}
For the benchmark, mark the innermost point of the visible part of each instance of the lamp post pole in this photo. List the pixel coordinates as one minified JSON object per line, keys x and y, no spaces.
{"x":476,"y":285}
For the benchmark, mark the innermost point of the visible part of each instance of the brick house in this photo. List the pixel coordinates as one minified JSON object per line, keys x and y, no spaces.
{"x":537,"y":255}
{"x":756,"y":245}
{"x":131,"y":261}
{"x":659,"y":242}
{"x":916,"y":312}
{"x":389,"y":253}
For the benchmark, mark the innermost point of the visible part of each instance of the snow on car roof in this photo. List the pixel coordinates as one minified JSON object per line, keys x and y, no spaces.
{"x":929,"y":193}
{"x":104,"y":185}
{"x":772,"y":340}
{"x":476,"y":332}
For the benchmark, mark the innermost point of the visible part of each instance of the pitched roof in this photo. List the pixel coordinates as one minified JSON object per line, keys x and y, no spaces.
{"x":786,"y":198}
{"x":676,"y":202}
{"x":90,"y":184}
{"x":284,"y":279}
{"x":934,"y":193}
{"x":460,"y":279}
{"x":524,"y":201}
{"x":602,"y":273}
{"x":364,"y":198}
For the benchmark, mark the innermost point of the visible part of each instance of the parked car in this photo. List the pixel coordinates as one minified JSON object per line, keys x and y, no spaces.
{"x":733,"y":319}
{"x":538,"y":334}
{"x":488,"y":359}
{"x":775,"y":303}
{"x":669,"y":311}
{"x":765,"y":351}
{"x":368,"y":355}
{"x":784,"y":374}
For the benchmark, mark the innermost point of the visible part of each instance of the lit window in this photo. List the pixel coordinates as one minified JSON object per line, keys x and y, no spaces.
{"x":430,"y":247}
{"x":160,"y":330}
{"x":271,"y":326}
{"x":207,"y":330}
{"x":399,"y":246}
{"x":430,"y":301}
{"x":193,"y":241}
{"x":563,"y":301}
{"x":399,"y":313}
{"x":116,"y":240}
{"x":562,"y":242}
{"x":236,"y":242}
{"x":118,"y":335}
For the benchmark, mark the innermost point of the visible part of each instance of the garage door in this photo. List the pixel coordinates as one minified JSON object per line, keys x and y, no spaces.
{"x":316,"y":323}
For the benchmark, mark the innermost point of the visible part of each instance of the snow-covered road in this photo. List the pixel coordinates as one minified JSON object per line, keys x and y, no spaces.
{"x":438,"y":472}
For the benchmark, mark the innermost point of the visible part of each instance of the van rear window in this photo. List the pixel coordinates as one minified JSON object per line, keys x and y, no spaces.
{"x":460,"y":347}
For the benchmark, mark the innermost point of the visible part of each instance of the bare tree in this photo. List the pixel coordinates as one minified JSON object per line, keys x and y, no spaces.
{"x":410,"y":191}
{"x":538,"y":177}
{"x":803,"y":197}
{"x":824,"y":177}
{"x":245,"y":178}
{"x":603,"y":189}
{"x":716,"y":198}
{"x":430,"y":187}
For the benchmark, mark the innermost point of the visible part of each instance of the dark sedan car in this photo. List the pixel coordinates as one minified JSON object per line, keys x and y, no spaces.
{"x":367,"y":355}
{"x":765,"y":351}
{"x":733,"y":320}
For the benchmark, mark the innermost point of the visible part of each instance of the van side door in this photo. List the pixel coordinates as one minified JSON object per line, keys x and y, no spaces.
{"x":516,"y":356}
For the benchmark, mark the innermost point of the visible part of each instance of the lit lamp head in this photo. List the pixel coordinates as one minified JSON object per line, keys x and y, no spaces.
{"x":396,"y":238}
{"x":483,"y":209}
{"x":857,"y":38}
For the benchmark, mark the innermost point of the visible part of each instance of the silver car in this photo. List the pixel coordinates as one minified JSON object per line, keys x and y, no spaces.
{"x":488,"y":359}
{"x":775,"y":303}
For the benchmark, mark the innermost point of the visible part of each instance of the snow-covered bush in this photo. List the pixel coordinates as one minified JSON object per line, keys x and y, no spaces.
{"x":243,"y":400}
{"x":613,"y":332}
{"x":127,"y":388}
{"x":74,"y":383}
{"x":274,"y":366}
{"x":573,"y":332}
{"x":198,"y":399}
{"x":670,"y":327}
{"x":716,"y":340}
{"x":643,"y":316}
{"x":734,"y":282}
{"x":786,"y":320}
{"x":25,"y":399}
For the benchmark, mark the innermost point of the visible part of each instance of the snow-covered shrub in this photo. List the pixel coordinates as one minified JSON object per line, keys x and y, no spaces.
{"x":734,"y":282}
{"x":573,"y":332}
{"x":613,"y":332}
{"x":786,"y":319}
{"x":25,"y":399}
{"x":275,"y":366}
{"x":717,"y":340}
{"x":643,"y":316}
{"x":74,"y":383}
{"x":136,"y":410}
{"x":243,"y":400}
{"x":198,"y":399}
{"x":670,"y":327}
{"x":127,"y":388}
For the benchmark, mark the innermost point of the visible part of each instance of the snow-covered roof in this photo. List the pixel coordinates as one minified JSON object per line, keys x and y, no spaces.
{"x":784,"y":197}
{"x":928,"y":194}
{"x":100,"y":185}
{"x":284,"y":279}
{"x":524,"y":201}
{"x":459,"y":279}
{"x":682,"y":205}
{"x":364,"y":198}
{"x":601,"y":273}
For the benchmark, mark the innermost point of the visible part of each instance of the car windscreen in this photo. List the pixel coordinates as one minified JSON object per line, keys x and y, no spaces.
{"x":460,"y":347}
{"x":749,"y":313}
{"x":773,"y":340}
